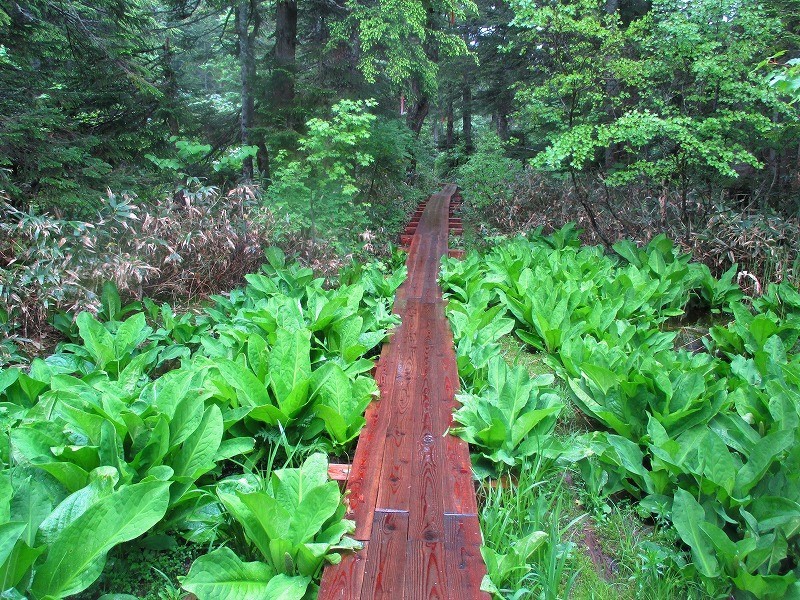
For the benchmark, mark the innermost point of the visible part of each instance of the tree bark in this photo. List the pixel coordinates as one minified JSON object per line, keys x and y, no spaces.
{"x":796,"y":178}
{"x":502,"y":126}
{"x":283,"y":75}
{"x":466,"y":116}
{"x":247,"y":74}
{"x":418,"y":108}
{"x":448,"y":141}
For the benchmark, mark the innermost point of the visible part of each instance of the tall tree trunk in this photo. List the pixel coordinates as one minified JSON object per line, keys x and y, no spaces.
{"x":466,"y":116}
{"x":796,"y":178}
{"x":418,"y":108}
{"x":283,"y":75}
{"x":448,"y":142}
{"x":247,"y":70}
{"x":502,"y":126}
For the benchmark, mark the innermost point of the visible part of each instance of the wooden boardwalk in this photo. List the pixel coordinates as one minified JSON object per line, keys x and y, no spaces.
{"x":411,"y":491}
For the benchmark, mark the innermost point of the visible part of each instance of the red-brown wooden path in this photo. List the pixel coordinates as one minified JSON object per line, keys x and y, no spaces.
{"x":410,"y":485}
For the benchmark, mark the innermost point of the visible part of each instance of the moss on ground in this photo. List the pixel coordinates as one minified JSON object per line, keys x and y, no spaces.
{"x":144,"y":573}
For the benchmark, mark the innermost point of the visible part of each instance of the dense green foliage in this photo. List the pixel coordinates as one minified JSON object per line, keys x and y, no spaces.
{"x":128,"y":94}
{"x":164,"y":144}
{"x":127,"y":427}
{"x":705,"y":439}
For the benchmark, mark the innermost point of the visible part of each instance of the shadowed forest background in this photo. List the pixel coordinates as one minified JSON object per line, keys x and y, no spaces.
{"x":163,"y":143}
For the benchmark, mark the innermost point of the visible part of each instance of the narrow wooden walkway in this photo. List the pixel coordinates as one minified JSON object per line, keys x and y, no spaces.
{"x":411,"y":491}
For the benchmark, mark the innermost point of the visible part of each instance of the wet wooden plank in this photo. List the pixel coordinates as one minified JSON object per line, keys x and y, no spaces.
{"x":458,"y":488}
{"x":394,"y":371}
{"x":339,"y":472}
{"x":395,"y":475}
{"x":345,"y":580}
{"x":385,"y":568}
{"x":427,"y":574}
{"x":428,"y":466}
{"x":411,"y":490}
{"x":463,"y":561}
{"x":362,"y":489}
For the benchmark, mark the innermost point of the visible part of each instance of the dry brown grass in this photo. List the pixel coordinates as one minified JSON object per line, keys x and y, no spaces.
{"x":183,"y":247}
{"x":766,"y":246}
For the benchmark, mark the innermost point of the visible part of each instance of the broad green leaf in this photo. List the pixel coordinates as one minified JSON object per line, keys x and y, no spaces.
{"x":101,"y":485}
{"x":335,"y":424}
{"x":289,"y":363}
{"x":6,"y":492}
{"x":111,"y":452}
{"x":630,"y":455}
{"x":764,"y":586}
{"x":196,"y":455}
{"x":316,"y":507}
{"x":284,"y":587}
{"x":257,"y":356}
{"x":293,"y":484}
{"x":248,"y":520}
{"x":187,"y":418}
{"x":112,"y":305}
{"x":687,"y":515}
{"x":523,"y":425}
{"x":293,"y":403}
{"x":76,"y":559}
{"x":70,"y":475}
{"x":7,"y":378}
{"x":270,"y":414}
{"x":156,"y":445}
{"x":604,"y":378}
{"x":762,"y":328}
{"x":18,"y":564}
{"x":273,"y":519}
{"x":130,"y":334}
{"x":493,"y":436}
{"x":776,"y":511}
{"x":234,"y":447}
{"x":717,"y":461}
{"x":252,"y":391}
{"x":628,"y":250}
{"x":333,"y":388}
{"x":9,"y":534}
{"x":30,"y":505}
{"x":514,"y":393}
{"x":166,"y":392}
{"x":761,"y":457}
{"x":221,"y":575}
{"x":726,"y":550}
{"x":96,"y":338}
{"x":526,"y":546}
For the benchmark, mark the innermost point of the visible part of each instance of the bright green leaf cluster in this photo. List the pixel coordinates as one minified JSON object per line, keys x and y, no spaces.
{"x":124,"y":429}
{"x":708,"y":441}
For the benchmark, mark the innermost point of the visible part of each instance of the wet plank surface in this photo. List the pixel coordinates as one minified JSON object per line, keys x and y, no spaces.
{"x":410,"y":484}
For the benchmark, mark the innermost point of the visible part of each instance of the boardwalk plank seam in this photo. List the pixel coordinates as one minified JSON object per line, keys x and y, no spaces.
{"x":410,"y":486}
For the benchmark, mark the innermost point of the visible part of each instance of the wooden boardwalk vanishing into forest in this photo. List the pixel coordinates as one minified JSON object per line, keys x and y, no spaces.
{"x":411,"y":490}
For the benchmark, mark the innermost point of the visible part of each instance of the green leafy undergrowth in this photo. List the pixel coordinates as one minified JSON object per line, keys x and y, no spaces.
{"x":525,"y":543}
{"x":146,"y":573}
{"x":291,"y":523}
{"x":510,"y":419}
{"x":706,"y":441}
{"x":121,"y":432}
